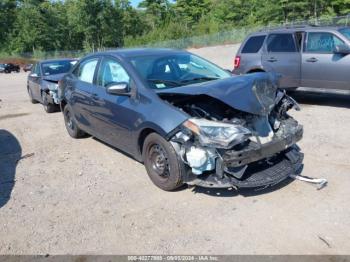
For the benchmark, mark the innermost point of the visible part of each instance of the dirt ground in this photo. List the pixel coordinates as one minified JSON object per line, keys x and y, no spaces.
{"x":69,"y":196}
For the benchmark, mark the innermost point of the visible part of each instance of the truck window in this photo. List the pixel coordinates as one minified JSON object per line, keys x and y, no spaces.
{"x":281,"y":43}
{"x":321,"y":42}
{"x":253,"y":44}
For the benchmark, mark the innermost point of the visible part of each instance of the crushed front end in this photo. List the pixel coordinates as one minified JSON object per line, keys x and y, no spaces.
{"x":225,"y":147}
{"x":51,"y":88}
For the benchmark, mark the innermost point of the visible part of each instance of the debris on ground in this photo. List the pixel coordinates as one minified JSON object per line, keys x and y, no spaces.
{"x":26,"y":156}
{"x":325,"y":241}
{"x":320,"y":182}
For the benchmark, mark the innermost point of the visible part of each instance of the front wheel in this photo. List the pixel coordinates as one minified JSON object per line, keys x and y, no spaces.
{"x":71,"y":126}
{"x":162,"y":163}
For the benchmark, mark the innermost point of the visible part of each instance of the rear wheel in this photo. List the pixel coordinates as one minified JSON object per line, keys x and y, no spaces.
{"x":71,"y":126}
{"x":48,"y":107}
{"x":163,"y":165}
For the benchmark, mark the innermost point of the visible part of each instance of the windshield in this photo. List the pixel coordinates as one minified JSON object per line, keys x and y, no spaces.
{"x":57,"y":67}
{"x":345,"y":32}
{"x":169,"y":71}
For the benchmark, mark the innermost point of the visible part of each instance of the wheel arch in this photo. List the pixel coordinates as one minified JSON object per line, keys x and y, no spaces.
{"x":146,"y":131}
{"x":142,"y":137}
{"x":63,"y":104}
{"x":256,"y":70}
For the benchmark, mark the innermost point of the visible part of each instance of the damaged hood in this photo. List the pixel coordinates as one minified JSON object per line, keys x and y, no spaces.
{"x":54,"y":78}
{"x":253,"y":93}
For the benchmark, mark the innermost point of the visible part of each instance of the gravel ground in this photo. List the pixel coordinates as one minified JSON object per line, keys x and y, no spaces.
{"x":84,"y":197}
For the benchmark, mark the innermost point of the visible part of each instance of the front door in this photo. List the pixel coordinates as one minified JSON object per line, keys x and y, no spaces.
{"x":34,"y":79}
{"x":321,"y":67}
{"x":113,"y":115}
{"x":282,"y":56}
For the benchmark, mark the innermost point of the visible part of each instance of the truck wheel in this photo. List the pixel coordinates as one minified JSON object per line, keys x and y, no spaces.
{"x":163,"y":165}
{"x":31,"y":99}
{"x":48,"y":107}
{"x":71,"y":126}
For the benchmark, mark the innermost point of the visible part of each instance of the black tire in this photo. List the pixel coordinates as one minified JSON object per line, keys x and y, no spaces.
{"x":31,"y":99}
{"x":71,"y":126}
{"x":48,"y":107}
{"x":163,"y":165}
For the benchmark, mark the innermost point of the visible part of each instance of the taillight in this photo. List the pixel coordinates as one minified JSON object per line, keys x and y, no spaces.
{"x":237,"y":62}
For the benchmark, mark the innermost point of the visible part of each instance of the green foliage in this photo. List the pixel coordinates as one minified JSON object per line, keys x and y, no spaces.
{"x":42,"y":26}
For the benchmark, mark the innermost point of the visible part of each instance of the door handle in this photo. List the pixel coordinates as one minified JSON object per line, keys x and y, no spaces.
{"x":312,"y":60}
{"x":272,"y":59}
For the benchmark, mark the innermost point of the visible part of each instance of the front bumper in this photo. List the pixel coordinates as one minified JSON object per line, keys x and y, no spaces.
{"x":258,"y":174}
{"x":254,"y":151}
{"x":256,"y":165}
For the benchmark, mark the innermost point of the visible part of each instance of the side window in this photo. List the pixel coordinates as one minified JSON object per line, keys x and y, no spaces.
{"x":321,"y":42}
{"x":253,"y":45}
{"x":281,"y":43}
{"x":33,"y":69}
{"x":86,"y":70}
{"x":36,"y":69}
{"x":111,"y":72}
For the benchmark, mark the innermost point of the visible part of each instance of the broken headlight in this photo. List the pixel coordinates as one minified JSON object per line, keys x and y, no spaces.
{"x":217,"y":134}
{"x":52,"y":86}
{"x":265,"y":92}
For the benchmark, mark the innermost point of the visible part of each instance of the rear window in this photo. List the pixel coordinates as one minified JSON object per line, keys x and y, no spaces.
{"x":253,"y":44}
{"x":281,"y":43}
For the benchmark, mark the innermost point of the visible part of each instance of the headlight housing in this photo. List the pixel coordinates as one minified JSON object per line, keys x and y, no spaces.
{"x":217,"y":134}
{"x":52,"y":86}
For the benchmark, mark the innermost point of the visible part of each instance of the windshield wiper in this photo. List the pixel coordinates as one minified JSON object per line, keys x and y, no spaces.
{"x":203,"y":78}
{"x":163,"y":81}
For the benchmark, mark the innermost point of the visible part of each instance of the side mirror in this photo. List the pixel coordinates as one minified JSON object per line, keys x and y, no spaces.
{"x":34,"y":75}
{"x":342,"y":49}
{"x":120,"y":89}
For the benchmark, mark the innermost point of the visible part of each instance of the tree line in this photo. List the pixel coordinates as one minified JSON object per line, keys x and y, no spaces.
{"x":48,"y":25}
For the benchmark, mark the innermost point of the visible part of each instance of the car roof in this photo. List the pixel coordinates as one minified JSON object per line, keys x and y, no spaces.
{"x":297,"y":29}
{"x":57,"y":60}
{"x":132,"y":52}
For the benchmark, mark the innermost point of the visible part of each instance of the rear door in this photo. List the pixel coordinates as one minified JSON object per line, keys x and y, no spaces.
{"x":281,"y":55}
{"x":321,"y":68}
